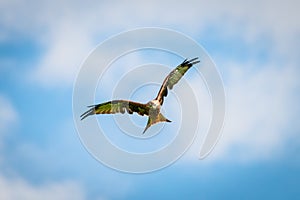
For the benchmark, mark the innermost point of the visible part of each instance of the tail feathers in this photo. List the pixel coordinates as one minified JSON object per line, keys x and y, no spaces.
{"x":156,"y":119}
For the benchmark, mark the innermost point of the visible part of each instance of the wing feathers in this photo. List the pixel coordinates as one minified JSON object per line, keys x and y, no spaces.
{"x":174,"y":77}
{"x":116,"y":106}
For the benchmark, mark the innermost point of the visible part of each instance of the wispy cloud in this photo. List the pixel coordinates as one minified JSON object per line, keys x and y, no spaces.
{"x":18,"y":188}
{"x":66,"y":49}
{"x":9,"y":118}
{"x":260,"y":109}
{"x":13,"y":188}
{"x":8,"y":114}
{"x":67,"y":43}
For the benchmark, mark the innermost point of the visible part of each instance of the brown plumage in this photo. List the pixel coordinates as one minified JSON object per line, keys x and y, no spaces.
{"x":152,"y":108}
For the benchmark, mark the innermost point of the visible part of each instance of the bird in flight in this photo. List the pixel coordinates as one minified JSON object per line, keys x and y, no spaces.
{"x":152,"y":108}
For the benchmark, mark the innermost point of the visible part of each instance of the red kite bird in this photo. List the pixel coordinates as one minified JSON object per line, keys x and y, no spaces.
{"x":152,"y":108}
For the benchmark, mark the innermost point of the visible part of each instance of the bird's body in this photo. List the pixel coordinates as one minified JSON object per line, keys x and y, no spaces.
{"x":152,"y":108}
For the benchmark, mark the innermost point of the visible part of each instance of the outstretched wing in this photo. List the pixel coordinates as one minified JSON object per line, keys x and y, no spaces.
{"x":174,"y":77}
{"x":117,"y":106}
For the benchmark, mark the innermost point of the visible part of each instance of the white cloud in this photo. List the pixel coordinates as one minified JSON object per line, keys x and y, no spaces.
{"x":260,"y":112}
{"x":261,"y":108}
{"x":17,"y":188}
{"x":47,"y":160}
{"x":66,"y":49}
{"x":14,"y":188}
{"x":8,"y":114}
{"x":8,"y":118}
{"x":68,"y":31}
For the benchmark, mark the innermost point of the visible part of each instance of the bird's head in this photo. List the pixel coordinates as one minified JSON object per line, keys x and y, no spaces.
{"x":154,"y":104}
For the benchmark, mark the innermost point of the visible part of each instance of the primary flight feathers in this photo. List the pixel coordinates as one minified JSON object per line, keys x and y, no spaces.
{"x":152,"y":108}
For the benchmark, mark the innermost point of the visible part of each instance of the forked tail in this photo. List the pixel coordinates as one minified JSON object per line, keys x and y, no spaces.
{"x":155,"y":119}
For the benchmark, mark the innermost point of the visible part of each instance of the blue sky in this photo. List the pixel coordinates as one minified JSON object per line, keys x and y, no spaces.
{"x":255,"y":46}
